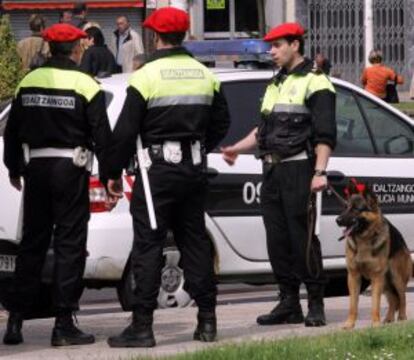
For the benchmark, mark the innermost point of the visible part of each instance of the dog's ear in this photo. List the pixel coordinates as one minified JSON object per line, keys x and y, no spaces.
{"x":370,"y":197}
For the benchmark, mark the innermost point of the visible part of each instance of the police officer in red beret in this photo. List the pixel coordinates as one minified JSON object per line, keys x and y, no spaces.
{"x":295,"y":138}
{"x":57,"y":119}
{"x":175,"y":104}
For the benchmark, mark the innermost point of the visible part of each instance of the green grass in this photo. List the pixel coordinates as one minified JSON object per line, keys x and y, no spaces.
{"x":388,"y":342}
{"x":405,"y":106}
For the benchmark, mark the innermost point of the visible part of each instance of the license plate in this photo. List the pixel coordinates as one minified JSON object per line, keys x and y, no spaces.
{"x":7,"y":263}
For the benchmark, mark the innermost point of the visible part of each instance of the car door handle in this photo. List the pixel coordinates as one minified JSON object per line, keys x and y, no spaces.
{"x":335,"y":176}
{"x":212,"y":172}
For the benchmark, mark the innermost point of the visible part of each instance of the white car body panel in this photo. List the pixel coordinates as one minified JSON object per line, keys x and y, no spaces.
{"x":239,"y":240}
{"x":10,"y":201}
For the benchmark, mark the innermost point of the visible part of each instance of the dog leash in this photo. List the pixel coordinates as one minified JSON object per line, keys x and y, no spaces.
{"x":311,"y":217}
{"x":339,"y":197}
{"x":309,"y":245}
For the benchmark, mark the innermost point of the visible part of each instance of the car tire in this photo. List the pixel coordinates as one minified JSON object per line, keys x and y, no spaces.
{"x":338,"y":286}
{"x":171,"y":294}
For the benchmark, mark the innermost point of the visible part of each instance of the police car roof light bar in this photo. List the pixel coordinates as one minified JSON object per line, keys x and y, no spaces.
{"x":235,"y":50}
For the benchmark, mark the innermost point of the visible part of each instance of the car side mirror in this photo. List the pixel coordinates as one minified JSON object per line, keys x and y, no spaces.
{"x":398,"y":145}
{"x":212,"y":172}
{"x":335,"y":177}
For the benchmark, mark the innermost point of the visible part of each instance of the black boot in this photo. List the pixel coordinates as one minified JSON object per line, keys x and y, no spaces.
{"x":66,"y":333}
{"x":138,"y":334}
{"x":206,"y":330}
{"x":316,"y":313}
{"x":13,"y":334}
{"x":288,"y":311}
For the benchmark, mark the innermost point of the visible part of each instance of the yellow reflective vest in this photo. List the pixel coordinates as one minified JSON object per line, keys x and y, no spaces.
{"x":298,"y":111}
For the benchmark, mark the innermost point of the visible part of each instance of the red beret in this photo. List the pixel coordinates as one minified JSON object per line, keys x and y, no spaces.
{"x":63,"y":33}
{"x":168,"y":20}
{"x":283,"y":30}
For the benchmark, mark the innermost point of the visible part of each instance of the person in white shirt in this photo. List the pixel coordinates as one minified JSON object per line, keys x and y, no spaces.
{"x":127,"y":43}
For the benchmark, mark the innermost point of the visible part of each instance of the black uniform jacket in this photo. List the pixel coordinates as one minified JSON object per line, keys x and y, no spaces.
{"x":156,"y":123}
{"x":55,"y":106}
{"x":98,"y":60}
{"x":322,"y":104}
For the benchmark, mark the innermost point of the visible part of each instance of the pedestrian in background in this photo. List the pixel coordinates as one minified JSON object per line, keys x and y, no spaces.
{"x":58,"y":117}
{"x":33,"y":50}
{"x":323,"y":63}
{"x":97,"y":60}
{"x":138,"y":61}
{"x":376,"y":77}
{"x":294,"y":138}
{"x":126,"y":44}
{"x":65,"y":16}
{"x":177,"y":106}
{"x":80,"y":13}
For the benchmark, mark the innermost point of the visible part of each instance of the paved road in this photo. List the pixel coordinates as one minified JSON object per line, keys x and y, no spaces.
{"x":173,"y":327}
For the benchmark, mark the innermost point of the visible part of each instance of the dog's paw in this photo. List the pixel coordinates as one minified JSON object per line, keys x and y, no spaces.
{"x":388,"y":320}
{"x":376,"y":324}
{"x":349,"y":325}
{"x":402,"y":317}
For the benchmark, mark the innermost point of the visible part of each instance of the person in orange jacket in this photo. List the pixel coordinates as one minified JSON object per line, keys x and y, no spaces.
{"x":376,"y":77}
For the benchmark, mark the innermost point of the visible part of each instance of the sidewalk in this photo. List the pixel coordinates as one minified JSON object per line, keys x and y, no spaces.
{"x":173,"y":330}
{"x":404,"y":96}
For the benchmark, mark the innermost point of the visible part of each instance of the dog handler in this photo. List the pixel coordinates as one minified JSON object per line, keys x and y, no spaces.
{"x":58,"y":116}
{"x":295,"y":138}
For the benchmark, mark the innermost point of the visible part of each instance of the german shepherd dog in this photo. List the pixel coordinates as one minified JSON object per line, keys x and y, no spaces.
{"x":376,"y":250}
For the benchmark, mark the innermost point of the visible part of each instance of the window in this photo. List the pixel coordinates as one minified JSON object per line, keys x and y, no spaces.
{"x":247,"y":16}
{"x":3,"y":125}
{"x":352,"y":134}
{"x":243,"y":98}
{"x":392,"y":136}
{"x":108,"y":98}
{"x":231,"y":18}
{"x":216,"y":16}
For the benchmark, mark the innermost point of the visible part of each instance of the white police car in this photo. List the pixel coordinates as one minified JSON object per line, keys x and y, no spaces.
{"x":375,"y":144}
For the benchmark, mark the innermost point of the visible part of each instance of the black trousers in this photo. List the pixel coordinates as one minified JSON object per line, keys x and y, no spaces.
{"x":179,"y":193}
{"x":56,"y":206}
{"x":284,"y":198}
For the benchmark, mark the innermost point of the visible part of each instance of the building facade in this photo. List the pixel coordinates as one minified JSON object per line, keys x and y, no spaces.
{"x":103,"y":12}
{"x":336,"y":28}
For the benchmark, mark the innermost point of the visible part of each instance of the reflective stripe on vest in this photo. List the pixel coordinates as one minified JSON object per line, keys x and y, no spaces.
{"x":291,"y":95}
{"x":290,"y":108}
{"x":59,"y":79}
{"x":180,"y":100}
{"x":181,"y":75}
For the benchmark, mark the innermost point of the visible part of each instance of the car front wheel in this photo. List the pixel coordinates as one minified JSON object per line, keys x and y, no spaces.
{"x":171,"y":294}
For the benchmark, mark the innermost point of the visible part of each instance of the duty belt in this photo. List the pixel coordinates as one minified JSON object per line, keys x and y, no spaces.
{"x":176,"y":152}
{"x":51,"y":152}
{"x":274,"y":158}
{"x":80,"y":156}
